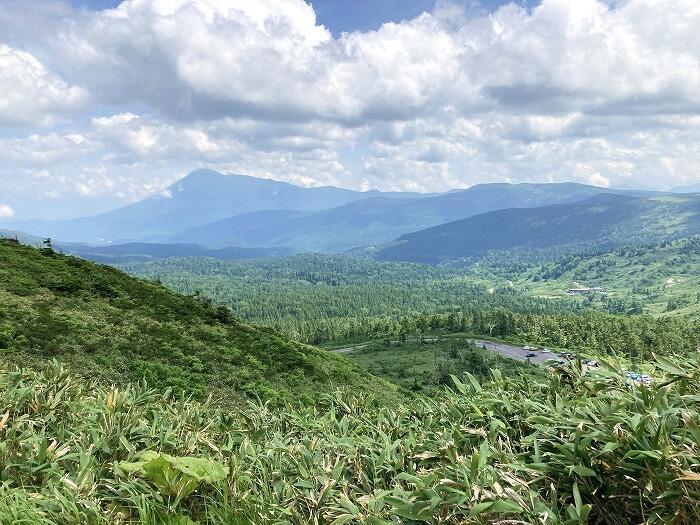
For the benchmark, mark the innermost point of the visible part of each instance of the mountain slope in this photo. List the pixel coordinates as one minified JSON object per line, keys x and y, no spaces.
{"x":202,"y":197}
{"x":103,"y":324}
{"x":660,"y":279}
{"x":607,"y":219}
{"x":376,"y":220}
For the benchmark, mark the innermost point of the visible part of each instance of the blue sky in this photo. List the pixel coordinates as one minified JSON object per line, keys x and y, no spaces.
{"x":99,"y":109}
{"x":354,"y":15}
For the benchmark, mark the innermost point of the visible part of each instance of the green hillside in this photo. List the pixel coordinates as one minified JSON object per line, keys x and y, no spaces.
{"x":104,"y":324}
{"x":606,"y":220}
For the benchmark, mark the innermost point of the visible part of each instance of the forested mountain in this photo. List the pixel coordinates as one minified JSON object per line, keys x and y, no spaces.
{"x":104,"y":324}
{"x":377,"y":220}
{"x":201,"y":197}
{"x":606,"y":220}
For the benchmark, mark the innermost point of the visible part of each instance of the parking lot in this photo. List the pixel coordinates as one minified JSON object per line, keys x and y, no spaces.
{"x":517,"y":352}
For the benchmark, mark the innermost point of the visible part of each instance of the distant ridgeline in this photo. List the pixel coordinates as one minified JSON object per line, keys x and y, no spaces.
{"x":604,"y":222}
{"x":218,"y":211}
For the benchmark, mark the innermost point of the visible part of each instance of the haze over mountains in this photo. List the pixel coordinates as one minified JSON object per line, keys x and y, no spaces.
{"x":691,"y":188}
{"x":607,"y":220}
{"x":377,"y":220}
{"x":201,"y":197}
{"x":210,"y":214}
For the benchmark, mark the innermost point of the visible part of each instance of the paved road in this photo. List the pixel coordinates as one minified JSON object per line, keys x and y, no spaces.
{"x":348,"y":349}
{"x":515,"y":352}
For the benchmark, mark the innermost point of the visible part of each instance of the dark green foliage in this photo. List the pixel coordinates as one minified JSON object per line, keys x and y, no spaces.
{"x":323,"y":299}
{"x":320,"y":298}
{"x":102,"y":323}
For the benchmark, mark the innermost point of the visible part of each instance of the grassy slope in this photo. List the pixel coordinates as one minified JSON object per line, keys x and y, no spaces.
{"x":105,"y":324}
{"x":665,"y":277}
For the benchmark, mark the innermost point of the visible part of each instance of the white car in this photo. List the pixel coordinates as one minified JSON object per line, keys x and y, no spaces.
{"x":546,"y":351}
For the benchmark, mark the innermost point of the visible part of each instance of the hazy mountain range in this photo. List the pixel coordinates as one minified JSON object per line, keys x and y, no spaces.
{"x":375,"y":220}
{"x":201,"y":197}
{"x":231,"y":217}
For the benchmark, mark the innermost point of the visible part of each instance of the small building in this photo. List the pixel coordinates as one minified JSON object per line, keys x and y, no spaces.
{"x":583,"y":291}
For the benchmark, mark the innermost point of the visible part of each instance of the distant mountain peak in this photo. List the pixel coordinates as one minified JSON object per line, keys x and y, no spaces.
{"x":201,"y":175}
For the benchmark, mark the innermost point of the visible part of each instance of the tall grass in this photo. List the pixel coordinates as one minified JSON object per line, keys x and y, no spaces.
{"x":571,"y":449}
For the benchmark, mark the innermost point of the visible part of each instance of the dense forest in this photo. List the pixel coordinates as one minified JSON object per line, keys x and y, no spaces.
{"x":315,"y":298}
{"x":321,"y":298}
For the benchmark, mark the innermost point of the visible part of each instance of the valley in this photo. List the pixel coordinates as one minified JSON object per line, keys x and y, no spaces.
{"x":383,"y":358}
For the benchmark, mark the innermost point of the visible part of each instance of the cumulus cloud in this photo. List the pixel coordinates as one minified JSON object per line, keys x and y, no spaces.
{"x":6,"y":212}
{"x":30,"y":94}
{"x":142,"y":138}
{"x":201,"y":58}
{"x":45,"y":149}
{"x":598,"y":92}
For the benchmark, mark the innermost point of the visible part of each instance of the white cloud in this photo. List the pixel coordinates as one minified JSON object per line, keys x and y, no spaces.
{"x":6,"y":212}
{"x":590,"y":175}
{"x":592,"y":91}
{"x":43,"y":150}
{"x":141,"y":138}
{"x":201,"y":58}
{"x":30,"y":94}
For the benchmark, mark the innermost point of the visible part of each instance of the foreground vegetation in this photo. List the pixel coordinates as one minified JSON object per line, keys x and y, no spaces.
{"x":565,"y":449}
{"x":294,"y":434}
{"x":104,"y":324}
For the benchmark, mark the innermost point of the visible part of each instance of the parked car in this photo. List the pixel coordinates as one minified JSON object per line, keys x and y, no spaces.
{"x":546,"y":351}
{"x":592,"y":363}
{"x":636,"y":377}
{"x":531,"y":355}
